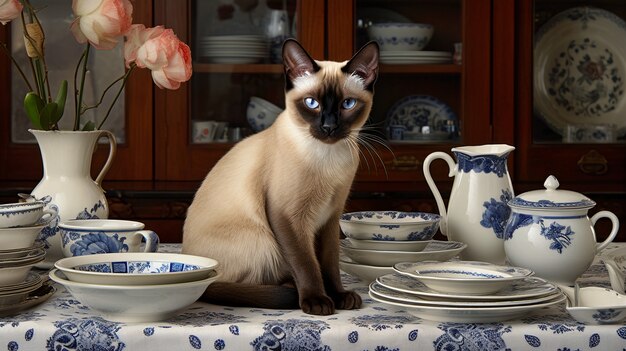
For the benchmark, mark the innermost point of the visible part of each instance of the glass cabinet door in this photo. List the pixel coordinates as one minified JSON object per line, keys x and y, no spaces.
{"x":237,"y":86}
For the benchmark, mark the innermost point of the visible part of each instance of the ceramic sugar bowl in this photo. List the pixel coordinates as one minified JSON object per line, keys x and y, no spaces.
{"x":549,"y":232}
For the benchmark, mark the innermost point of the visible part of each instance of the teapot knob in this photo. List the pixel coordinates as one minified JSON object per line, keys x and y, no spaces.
{"x":551,"y":183}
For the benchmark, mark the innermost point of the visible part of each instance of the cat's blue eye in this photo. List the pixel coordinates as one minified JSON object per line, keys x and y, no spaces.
{"x":348,"y":103}
{"x":311,"y":103}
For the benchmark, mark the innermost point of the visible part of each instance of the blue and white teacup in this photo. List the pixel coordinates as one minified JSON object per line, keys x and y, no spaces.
{"x":94,"y":236}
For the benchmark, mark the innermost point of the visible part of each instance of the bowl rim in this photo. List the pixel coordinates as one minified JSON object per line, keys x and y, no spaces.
{"x":389,"y":222}
{"x":53,"y":274}
{"x":70,"y":263}
{"x":402,"y":24}
{"x":413,"y":271}
{"x":21,"y":206}
{"x":90,"y":225}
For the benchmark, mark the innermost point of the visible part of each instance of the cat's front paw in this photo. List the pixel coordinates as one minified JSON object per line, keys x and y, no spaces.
{"x":319,"y":305}
{"x":347,"y":300}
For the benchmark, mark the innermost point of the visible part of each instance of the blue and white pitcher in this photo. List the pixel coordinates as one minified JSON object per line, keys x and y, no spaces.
{"x":477,"y":210}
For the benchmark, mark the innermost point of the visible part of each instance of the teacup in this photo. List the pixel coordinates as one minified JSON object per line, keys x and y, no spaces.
{"x":93,"y":236}
{"x":22,"y":214}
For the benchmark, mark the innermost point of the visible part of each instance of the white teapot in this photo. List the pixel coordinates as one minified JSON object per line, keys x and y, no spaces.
{"x":549,"y":232}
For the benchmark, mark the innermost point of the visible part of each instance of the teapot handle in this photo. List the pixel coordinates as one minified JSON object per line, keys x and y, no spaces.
{"x":615,"y":227}
{"x":443,"y":224}
{"x":112,"y":150}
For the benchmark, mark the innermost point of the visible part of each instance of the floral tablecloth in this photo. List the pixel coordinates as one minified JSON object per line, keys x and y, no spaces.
{"x":62,"y":323}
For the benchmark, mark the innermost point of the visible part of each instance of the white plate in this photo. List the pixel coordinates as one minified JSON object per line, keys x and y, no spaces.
{"x":580,"y":69}
{"x":527,"y":288}
{"x":365,"y":272}
{"x":434,"y":251}
{"x":415,"y":60}
{"x":468,"y":277}
{"x":415,"y":111}
{"x":234,"y":38}
{"x":420,"y":54}
{"x":468,"y":314}
{"x":234,"y":60}
{"x":388,"y":245}
{"x":33,"y":299}
{"x":404,"y":297}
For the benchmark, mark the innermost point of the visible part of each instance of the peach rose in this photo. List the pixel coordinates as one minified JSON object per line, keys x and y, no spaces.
{"x":167,"y":57}
{"x":101,"y":22}
{"x":9,"y":10}
{"x":136,"y":37}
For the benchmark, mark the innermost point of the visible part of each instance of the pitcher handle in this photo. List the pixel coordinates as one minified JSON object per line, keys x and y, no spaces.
{"x":112,"y":151}
{"x":614,"y":229}
{"x":443,"y":224}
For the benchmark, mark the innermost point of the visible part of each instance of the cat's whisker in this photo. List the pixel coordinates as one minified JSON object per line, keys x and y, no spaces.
{"x":353,"y":140}
{"x":372,"y":151}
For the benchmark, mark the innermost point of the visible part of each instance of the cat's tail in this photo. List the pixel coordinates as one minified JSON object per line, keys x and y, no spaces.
{"x":248,"y":295}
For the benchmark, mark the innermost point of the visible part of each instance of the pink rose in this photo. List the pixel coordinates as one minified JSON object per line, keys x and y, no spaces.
{"x":101,"y":22}
{"x":9,"y":10}
{"x":167,"y":57}
{"x":136,"y":37}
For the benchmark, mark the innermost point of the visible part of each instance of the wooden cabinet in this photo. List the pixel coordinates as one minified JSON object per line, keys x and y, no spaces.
{"x":159,"y":167}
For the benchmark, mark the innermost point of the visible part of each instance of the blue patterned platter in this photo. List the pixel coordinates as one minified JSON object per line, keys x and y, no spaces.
{"x":405,"y":297}
{"x":580,"y":66}
{"x":137,"y":268}
{"x":467,"y":277}
{"x":416,"y":113}
{"x":467,"y":314}
{"x":523,"y":289}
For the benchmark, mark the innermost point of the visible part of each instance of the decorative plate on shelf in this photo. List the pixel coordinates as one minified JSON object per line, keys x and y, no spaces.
{"x":415,"y":112}
{"x":580,"y":69}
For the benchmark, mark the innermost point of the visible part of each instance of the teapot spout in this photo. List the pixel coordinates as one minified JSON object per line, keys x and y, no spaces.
{"x":616,"y":276}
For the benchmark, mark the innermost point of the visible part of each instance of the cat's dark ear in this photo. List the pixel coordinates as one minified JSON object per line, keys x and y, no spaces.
{"x":297,"y":62}
{"x":365,"y":64}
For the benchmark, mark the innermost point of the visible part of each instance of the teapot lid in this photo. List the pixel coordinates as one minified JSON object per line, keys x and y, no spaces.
{"x":551,"y":198}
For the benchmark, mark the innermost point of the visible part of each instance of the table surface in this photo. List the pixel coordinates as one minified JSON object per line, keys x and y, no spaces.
{"x":62,"y":322}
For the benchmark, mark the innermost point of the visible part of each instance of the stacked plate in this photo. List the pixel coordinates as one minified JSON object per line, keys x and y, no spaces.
{"x":233,"y":49}
{"x":415,"y":57}
{"x":135,"y":286}
{"x":464,"y":291}
{"x":376,"y":240}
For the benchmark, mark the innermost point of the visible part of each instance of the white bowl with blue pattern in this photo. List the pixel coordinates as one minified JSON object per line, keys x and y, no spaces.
{"x":134,"y":303}
{"x":597,"y":305}
{"x":21,"y":213}
{"x":137,"y":268}
{"x":468,"y":277}
{"x":389,"y":225}
{"x":401,"y":36}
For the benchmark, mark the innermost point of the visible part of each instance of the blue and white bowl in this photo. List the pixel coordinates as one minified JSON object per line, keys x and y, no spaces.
{"x":261,"y":113}
{"x":401,"y":36}
{"x":134,"y":303}
{"x":389,"y":225}
{"x":137,"y":268}
{"x":21,"y":214}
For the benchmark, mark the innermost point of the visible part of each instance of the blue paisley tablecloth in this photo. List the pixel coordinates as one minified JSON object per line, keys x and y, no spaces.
{"x":62,"y":323}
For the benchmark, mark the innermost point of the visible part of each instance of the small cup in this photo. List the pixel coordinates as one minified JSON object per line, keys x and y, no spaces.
{"x":23,"y":214}
{"x":203,"y":131}
{"x":396,"y":132}
{"x":93,"y":236}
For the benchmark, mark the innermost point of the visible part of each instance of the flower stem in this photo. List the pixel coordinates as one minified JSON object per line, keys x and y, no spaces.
{"x":79,"y":101}
{"x":8,"y":53}
{"x":119,"y":92}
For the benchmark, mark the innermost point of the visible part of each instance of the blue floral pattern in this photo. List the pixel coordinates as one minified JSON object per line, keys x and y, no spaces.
{"x":94,"y":243}
{"x":560,"y":235}
{"x":63,"y":323}
{"x":497,"y":213}
{"x":482,"y":164}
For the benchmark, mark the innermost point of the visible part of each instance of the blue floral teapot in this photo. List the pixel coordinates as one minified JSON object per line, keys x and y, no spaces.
{"x":477,"y":209}
{"x":549,"y":232}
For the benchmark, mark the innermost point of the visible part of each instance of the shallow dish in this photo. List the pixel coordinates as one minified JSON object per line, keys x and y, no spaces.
{"x":389,"y":225}
{"x":434,"y":251}
{"x":20,"y":213}
{"x":137,"y":268}
{"x":401,"y":36}
{"x":366,"y":273}
{"x":598,"y":305}
{"x":19,"y":237}
{"x":136,"y":303}
{"x":468,"y":277}
{"x":389,"y":245}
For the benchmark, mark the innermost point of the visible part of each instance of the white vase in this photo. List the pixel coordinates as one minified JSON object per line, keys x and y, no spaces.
{"x":66,"y":185}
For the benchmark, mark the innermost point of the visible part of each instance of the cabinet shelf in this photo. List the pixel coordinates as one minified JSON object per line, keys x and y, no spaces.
{"x":278,"y":68}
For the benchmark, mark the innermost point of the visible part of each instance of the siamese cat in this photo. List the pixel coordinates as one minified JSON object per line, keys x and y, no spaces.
{"x":269,"y":210}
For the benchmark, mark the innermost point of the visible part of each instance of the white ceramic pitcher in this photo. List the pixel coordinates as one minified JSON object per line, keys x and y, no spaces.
{"x":67,"y":185}
{"x":477,"y":209}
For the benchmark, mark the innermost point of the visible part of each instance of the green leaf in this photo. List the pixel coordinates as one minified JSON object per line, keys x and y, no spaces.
{"x":47,"y":115}
{"x":60,"y":101}
{"x":32,"y":105}
{"x":89,"y":126}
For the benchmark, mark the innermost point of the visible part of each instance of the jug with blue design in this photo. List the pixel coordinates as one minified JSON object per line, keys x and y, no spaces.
{"x":549,"y":232}
{"x":477,"y":210}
